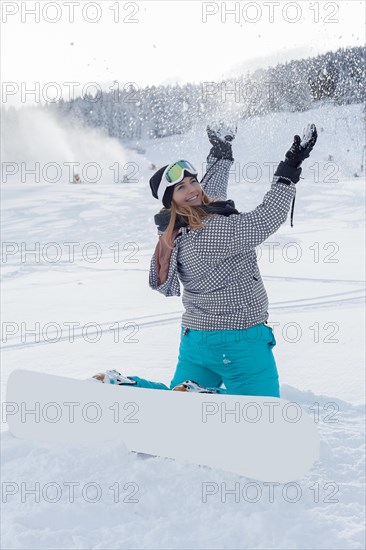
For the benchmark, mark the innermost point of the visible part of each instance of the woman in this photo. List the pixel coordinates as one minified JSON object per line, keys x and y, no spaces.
{"x":208,"y":246}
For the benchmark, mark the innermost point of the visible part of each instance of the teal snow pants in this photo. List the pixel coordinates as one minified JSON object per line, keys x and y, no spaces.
{"x":242,"y":360}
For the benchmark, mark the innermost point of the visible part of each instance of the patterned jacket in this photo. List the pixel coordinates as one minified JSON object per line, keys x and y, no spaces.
{"x":217,"y":264}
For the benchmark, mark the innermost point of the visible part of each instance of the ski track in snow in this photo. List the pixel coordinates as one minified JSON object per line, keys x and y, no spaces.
{"x":323,"y":510}
{"x":300,"y":304}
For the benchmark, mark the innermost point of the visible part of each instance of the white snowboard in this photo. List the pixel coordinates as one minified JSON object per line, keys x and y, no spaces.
{"x":263,"y":438}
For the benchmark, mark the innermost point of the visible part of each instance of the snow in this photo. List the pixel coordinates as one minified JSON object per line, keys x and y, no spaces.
{"x":314,"y":275}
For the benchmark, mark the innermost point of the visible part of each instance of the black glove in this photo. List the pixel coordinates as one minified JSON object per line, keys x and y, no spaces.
{"x":299,"y":151}
{"x":301,"y":148}
{"x":220,"y":139}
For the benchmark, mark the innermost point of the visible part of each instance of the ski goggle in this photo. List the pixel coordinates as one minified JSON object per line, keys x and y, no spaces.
{"x":174,"y":173}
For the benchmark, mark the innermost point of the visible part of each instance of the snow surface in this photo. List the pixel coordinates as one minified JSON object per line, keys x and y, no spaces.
{"x":315,"y":308}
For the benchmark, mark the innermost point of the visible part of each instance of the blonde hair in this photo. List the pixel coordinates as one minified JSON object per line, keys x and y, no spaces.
{"x":193,"y":215}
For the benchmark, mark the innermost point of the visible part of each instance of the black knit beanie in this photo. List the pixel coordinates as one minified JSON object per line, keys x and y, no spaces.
{"x":155,"y":181}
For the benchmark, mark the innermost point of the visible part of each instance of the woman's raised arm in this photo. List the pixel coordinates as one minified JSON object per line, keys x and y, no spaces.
{"x":219,"y":161}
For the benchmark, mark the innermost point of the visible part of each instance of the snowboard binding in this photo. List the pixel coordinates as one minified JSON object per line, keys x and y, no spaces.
{"x":191,"y":386}
{"x":113,"y":377}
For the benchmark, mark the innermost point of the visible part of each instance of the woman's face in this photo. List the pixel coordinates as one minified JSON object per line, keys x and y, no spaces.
{"x":187,"y":192}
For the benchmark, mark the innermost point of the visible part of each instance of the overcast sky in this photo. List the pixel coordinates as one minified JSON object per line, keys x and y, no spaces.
{"x":155,"y":42}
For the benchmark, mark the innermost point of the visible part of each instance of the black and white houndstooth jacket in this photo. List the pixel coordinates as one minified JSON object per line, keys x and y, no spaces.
{"x":217,"y":264}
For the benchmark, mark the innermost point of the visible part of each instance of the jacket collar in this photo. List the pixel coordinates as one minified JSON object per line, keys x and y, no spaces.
{"x":224,"y":208}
